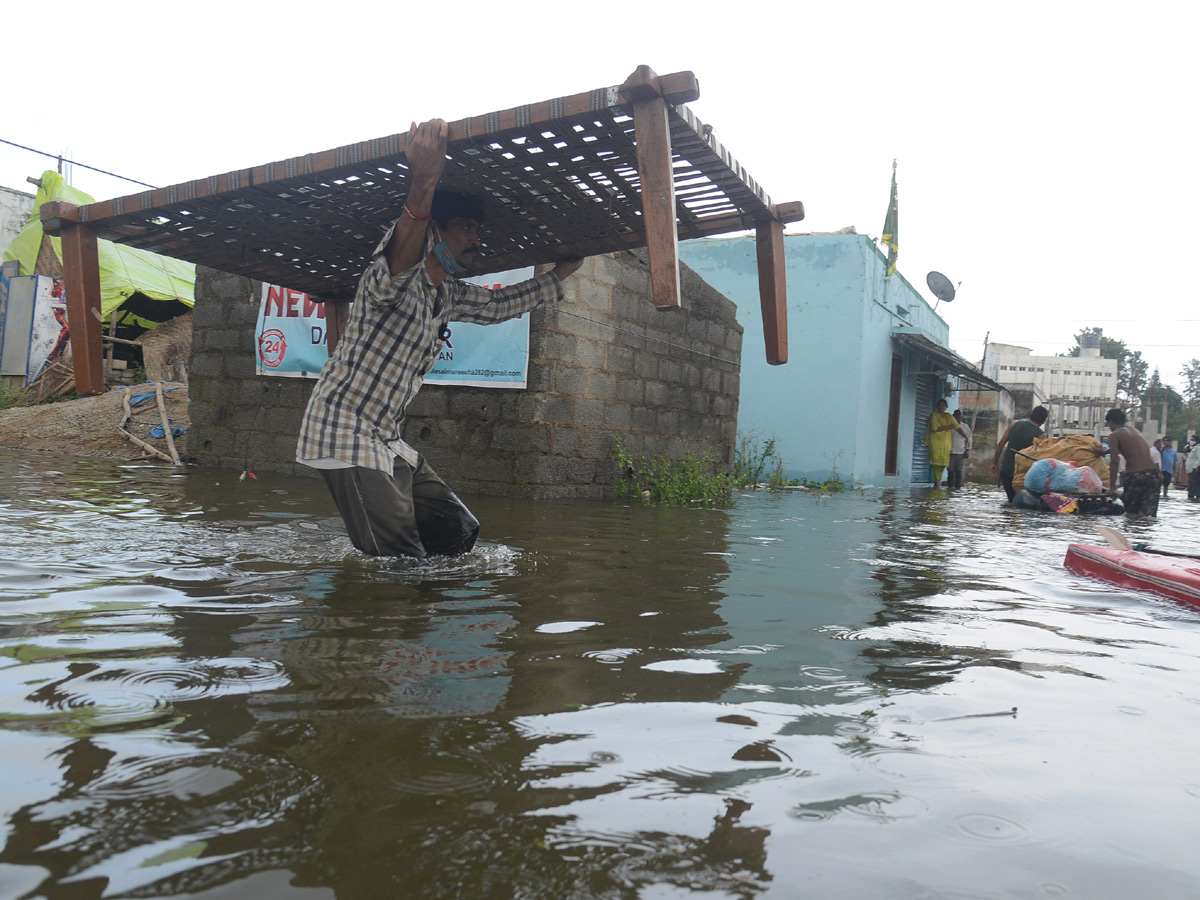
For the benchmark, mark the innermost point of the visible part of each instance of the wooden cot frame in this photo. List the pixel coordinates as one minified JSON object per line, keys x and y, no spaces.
{"x":652,"y":101}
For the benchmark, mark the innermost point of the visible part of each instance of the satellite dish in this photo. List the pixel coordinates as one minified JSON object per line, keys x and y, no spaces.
{"x":940,"y":285}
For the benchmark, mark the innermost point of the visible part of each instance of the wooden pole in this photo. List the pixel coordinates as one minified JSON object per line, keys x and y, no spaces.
{"x":772,"y":289}
{"x":652,"y":129}
{"x":166,"y":422}
{"x":81,"y":275}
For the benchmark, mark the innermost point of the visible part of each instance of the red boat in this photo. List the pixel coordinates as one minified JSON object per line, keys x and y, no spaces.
{"x":1177,"y":577}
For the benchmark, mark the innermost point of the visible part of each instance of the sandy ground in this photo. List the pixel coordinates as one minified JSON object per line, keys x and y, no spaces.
{"x":88,"y":426}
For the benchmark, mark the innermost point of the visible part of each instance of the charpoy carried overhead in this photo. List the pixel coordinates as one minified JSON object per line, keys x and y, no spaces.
{"x":612,"y":169}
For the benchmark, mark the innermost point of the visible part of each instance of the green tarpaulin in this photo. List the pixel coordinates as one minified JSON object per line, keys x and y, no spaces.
{"x":124,"y":271}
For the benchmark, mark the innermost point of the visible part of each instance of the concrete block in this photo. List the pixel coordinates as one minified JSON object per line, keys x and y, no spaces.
{"x":283,"y":447}
{"x":635,"y":278}
{"x":570,"y":380}
{"x":581,"y":471}
{"x":554,"y":346}
{"x":629,"y":306}
{"x":555,"y":409}
{"x":603,"y":270}
{"x":631,"y":390}
{"x":644,"y":419}
{"x":656,"y":445}
{"x":646,"y":364}
{"x":488,"y":468}
{"x":617,"y":415}
{"x":564,"y":441}
{"x":601,"y":385}
{"x":596,"y":443}
{"x":283,"y":420}
{"x":520,"y":438}
{"x":620,"y":357}
{"x":539,"y":377}
{"x":431,"y":400}
{"x":229,"y":340}
{"x":594,"y":298}
{"x":590,"y":353}
{"x":470,"y":406}
{"x":656,"y":393}
{"x":535,"y":469}
{"x":588,"y":413}
{"x":670,"y":370}
{"x":206,"y":365}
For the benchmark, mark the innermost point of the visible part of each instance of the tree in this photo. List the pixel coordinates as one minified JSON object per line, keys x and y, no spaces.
{"x":1190,"y":374}
{"x":1157,"y":393}
{"x":1131,"y":368}
{"x":1134,"y":387}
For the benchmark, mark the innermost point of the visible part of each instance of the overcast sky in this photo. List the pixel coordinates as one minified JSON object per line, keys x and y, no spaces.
{"x":1046,"y":151}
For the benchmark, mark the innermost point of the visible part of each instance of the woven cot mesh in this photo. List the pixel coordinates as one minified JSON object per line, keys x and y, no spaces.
{"x":568,"y":187}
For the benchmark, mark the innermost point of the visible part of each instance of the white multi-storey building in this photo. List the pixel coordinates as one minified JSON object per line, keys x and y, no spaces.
{"x":1079,"y":389}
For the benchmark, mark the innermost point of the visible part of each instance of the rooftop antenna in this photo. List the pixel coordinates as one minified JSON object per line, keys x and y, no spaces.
{"x":941,"y":287}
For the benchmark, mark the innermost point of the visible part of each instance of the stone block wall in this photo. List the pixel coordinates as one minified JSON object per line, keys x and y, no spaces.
{"x":603,"y":362}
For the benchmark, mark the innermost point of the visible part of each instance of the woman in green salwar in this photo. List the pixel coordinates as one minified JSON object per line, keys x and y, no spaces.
{"x":939,"y":433}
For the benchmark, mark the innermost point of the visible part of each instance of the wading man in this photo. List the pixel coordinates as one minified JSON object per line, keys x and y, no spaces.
{"x":1017,"y":437}
{"x":391,"y":500}
{"x":1143,"y":477}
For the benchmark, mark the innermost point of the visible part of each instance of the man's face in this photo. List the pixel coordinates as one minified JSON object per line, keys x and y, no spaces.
{"x":462,"y":238}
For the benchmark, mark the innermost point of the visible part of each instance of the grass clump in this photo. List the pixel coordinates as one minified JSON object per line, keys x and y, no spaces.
{"x":10,"y":398}
{"x":663,"y":481}
{"x":757,"y":464}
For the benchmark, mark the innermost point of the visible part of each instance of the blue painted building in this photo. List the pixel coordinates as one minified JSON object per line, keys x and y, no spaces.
{"x":867,"y":358}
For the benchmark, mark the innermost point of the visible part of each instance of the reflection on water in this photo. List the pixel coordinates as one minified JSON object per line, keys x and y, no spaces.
{"x":206,"y":692}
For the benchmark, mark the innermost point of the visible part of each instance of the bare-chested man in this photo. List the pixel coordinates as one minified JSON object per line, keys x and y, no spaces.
{"x":1142,"y":479}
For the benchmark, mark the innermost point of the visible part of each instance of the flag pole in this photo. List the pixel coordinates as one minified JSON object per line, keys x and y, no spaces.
{"x":891,"y":226}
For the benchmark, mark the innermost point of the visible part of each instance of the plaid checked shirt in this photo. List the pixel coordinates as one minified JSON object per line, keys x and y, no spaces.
{"x":392,"y":340}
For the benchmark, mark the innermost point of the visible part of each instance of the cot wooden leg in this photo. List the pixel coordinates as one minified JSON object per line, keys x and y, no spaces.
{"x":772,"y":289}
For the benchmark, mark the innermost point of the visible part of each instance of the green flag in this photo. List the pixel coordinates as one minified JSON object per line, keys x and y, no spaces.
{"x":891,"y":228}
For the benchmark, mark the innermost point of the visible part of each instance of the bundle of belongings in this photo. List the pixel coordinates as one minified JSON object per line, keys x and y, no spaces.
{"x":1065,"y":475}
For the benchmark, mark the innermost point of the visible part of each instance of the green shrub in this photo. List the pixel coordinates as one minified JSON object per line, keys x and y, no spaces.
{"x":663,"y":481}
{"x":10,"y":398}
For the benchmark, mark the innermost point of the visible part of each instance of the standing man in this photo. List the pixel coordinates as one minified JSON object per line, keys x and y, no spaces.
{"x":1017,"y":437}
{"x":960,"y":445}
{"x":1169,"y":457}
{"x":1193,"y":470}
{"x":1142,"y":477}
{"x":392,"y":502}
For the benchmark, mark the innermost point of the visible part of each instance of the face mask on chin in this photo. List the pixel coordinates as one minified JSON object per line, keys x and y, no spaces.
{"x":443,"y":255}
{"x":447,"y":260}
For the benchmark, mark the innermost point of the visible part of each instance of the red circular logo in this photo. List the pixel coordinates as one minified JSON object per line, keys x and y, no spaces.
{"x":271,"y":348}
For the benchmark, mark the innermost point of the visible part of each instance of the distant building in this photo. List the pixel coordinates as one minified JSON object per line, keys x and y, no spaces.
{"x":15,"y":207}
{"x":868,"y":358}
{"x":1078,"y":390}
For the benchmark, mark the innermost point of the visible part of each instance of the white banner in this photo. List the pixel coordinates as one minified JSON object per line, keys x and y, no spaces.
{"x":291,"y":340}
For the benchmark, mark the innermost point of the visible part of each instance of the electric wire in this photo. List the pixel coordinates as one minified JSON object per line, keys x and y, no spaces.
{"x":74,"y":163}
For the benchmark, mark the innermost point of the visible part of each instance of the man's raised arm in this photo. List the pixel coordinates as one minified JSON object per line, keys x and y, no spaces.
{"x":426,"y":155}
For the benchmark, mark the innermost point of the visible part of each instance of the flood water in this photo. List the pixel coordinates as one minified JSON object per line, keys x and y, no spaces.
{"x":205,"y":692}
